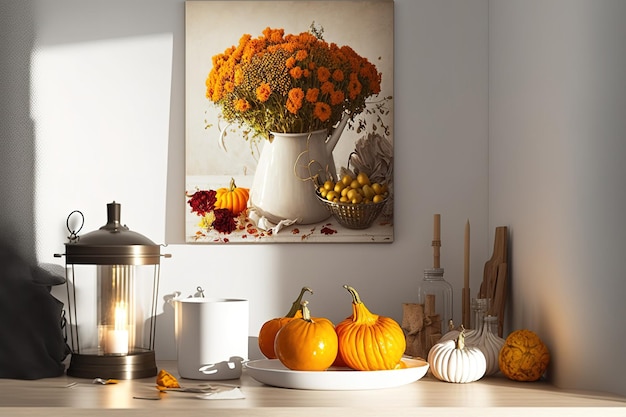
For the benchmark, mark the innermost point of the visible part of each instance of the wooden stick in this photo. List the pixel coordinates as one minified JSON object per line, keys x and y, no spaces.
{"x":436,"y":241}
{"x":429,"y":305}
{"x":466,"y":278}
{"x":467,"y":317}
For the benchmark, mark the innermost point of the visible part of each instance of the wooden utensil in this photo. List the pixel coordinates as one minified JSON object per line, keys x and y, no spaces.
{"x":495,"y":277}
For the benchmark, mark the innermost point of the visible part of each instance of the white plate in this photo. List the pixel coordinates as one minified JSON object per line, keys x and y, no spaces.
{"x":272,"y":372}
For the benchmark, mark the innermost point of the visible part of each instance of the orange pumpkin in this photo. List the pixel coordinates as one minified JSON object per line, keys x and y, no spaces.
{"x":232,"y":198}
{"x":307,"y":344}
{"x":339,"y":362}
{"x":524,"y":357}
{"x":268,"y":331}
{"x":367,"y":341}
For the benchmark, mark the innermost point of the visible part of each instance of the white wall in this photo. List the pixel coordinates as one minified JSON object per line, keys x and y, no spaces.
{"x":100,"y":94}
{"x":557,"y":142}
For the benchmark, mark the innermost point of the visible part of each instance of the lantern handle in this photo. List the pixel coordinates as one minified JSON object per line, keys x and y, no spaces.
{"x":200,"y":292}
{"x":73,"y":237}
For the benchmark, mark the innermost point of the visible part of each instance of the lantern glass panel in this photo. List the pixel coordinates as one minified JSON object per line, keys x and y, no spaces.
{"x":113,"y":311}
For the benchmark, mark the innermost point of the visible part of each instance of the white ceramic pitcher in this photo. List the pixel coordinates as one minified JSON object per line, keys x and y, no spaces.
{"x":283,"y":187}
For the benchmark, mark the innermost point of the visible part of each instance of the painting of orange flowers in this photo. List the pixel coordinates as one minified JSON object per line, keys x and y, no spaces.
{"x":289,"y":121}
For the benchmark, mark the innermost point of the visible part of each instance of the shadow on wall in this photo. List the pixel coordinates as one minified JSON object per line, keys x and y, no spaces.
{"x":17,"y":159}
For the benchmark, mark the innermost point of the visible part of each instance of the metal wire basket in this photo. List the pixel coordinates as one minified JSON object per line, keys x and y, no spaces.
{"x":353,"y":216}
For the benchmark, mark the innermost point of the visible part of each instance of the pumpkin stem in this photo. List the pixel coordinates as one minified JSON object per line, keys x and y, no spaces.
{"x":460,"y":342}
{"x":306,"y":314}
{"x":232,"y":184}
{"x":297,"y":304}
{"x":355,"y":295}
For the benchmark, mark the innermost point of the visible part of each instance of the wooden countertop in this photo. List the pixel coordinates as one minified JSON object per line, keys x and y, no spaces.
{"x":491,"y":396}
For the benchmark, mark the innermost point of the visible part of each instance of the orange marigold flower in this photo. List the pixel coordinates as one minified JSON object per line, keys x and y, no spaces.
{"x":327,"y":88}
{"x":292,"y":107}
{"x":263,"y":92}
{"x":229,"y":86}
{"x":323,"y":74}
{"x":336,"y":97}
{"x":242,"y":105}
{"x":294,"y":100}
{"x":296,"y":95}
{"x":301,"y":55}
{"x":312,"y":65}
{"x":238,"y":75}
{"x":296,"y":72}
{"x":312,"y":94}
{"x":217,"y":92}
{"x":274,"y":35}
{"x":338,"y":75}
{"x":354,"y":87}
{"x":290,"y":62}
{"x":306,"y":73}
{"x":321,"y":111}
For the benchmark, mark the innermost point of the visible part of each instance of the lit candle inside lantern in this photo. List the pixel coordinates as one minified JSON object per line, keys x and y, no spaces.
{"x":117,"y":338}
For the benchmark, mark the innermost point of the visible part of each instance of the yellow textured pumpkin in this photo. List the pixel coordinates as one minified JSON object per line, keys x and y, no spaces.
{"x":232,"y":198}
{"x":524,"y":356}
{"x":367,"y":341}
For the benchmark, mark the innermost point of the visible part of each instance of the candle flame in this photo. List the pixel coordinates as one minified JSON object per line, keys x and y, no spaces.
{"x":121,"y":316}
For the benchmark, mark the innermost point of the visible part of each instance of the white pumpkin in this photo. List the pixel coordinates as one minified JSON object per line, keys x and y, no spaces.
{"x":452,"y":361}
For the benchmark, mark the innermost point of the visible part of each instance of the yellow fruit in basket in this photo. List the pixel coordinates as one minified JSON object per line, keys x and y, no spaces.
{"x":339,"y":186}
{"x":329,"y":185}
{"x":378,"y":189}
{"x":346,"y":179}
{"x":378,"y":198}
{"x":332,"y":195}
{"x":368,"y":192}
{"x":363,"y":179}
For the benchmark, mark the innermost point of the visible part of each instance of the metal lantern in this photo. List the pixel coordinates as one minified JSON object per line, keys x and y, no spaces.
{"x":112,"y":312}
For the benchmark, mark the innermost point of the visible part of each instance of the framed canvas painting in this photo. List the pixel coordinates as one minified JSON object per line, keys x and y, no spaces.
{"x":289,"y":121}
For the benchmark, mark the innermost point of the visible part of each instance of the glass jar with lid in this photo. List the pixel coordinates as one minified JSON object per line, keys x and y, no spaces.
{"x":435,"y":293}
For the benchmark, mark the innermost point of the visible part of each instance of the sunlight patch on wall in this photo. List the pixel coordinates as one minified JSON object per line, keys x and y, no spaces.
{"x":101,"y":114}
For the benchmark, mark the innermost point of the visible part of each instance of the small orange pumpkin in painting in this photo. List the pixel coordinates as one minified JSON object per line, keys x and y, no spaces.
{"x":232,"y":198}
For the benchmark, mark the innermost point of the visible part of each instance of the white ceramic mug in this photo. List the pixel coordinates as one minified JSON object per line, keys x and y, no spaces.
{"x":211,"y":337}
